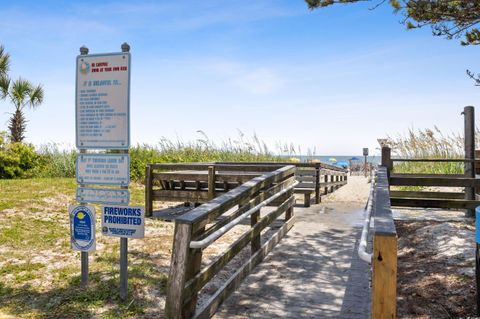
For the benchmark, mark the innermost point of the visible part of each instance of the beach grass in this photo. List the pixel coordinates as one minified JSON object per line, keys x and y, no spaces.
{"x":428,"y":144}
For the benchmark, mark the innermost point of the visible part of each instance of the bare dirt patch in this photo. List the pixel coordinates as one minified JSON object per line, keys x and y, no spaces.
{"x":436,"y":269}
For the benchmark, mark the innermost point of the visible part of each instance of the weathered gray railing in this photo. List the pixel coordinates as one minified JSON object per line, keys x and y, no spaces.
{"x":200,"y":182}
{"x":458,"y":200}
{"x":186,"y":277}
{"x":312,"y":177}
{"x":195,"y":182}
{"x":384,"y":257}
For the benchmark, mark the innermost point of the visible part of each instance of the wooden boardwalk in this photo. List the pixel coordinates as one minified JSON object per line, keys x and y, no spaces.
{"x":313,"y":273}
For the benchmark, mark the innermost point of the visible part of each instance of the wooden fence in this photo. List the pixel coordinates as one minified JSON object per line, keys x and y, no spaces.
{"x":384,"y":257}
{"x":437,"y":199}
{"x":314,"y":178}
{"x":201,"y":226}
{"x":201,"y":182}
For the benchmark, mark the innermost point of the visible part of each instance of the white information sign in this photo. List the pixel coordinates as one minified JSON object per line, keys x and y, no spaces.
{"x":103,"y":101}
{"x":82,"y":227}
{"x":123,"y":221}
{"x":107,"y":196}
{"x":103,"y":169}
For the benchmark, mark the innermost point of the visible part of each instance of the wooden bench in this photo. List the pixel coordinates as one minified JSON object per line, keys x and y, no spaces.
{"x":308,"y":183}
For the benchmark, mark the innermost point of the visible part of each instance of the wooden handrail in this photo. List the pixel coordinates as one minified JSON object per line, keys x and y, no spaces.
{"x":186,"y":275}
{"x":384,"y":261}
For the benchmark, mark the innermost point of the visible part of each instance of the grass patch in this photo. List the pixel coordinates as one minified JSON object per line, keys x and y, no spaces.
{"x":23,"y":193}
{"x":32,"y":234}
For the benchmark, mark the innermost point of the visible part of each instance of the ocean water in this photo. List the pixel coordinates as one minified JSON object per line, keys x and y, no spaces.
{"x":375,"y":160}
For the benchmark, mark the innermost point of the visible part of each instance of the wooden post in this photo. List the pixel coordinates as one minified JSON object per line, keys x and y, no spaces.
{"x":194,"y":266}
{"x":211,"y":182}
{"x":387,"y":159}
{"x":317,"y":184}
{"x":289,"y":212}
{"x":148,"y":191}
{"x":325,"y":180}
{"x":178,"y":271}
{"x":469,"y":114}
{"x":256,"y":242}
{"x":384,"y":277}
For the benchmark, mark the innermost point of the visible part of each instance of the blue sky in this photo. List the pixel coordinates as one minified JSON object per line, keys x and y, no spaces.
{"x":332,"y":80}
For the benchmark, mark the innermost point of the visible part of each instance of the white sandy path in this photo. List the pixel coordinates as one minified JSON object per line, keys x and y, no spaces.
{"x":356,"y":190}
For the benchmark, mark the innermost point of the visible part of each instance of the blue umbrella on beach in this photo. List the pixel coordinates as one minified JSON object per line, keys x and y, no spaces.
{"x":343,"y":164}
{"x":355,"y":158}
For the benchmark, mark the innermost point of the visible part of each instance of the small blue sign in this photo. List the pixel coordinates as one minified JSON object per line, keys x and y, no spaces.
{"x":82,"y":227}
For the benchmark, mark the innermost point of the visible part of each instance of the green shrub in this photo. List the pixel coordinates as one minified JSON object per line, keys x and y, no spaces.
{"x":16,"y":159}
{"x":54,"y":162}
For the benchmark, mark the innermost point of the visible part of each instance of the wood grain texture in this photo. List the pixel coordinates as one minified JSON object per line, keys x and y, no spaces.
{"x":211,"y":306}
{"x":384,"y":277}
{"x":178,"y":271}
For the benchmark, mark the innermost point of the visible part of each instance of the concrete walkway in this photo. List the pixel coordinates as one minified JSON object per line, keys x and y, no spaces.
{"x":314,"y":272}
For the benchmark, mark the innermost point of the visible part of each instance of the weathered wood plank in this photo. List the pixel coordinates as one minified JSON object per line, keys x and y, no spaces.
{"x":304,"y":190}
{"x":424,"y":175}
{"x":148,"y":191}
{"x":179,"y":195}
{"x":433,"y":160}
{"x":340,"y":183}
{"x":211,"y":306}
{"x":203,"y":176}
{"x":434,"y":203}
{"x":438,"y":195}
{"x":435,"y":181}
{"x":305,"y":185}
{"x":304,"y":178}
{"x":382,"y":212}
{"x":178,"y":271}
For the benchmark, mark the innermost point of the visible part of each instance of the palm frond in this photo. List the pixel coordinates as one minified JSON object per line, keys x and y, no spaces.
{"x":4,"y":61}
{"x":4,"y":86}
{"x":36,"y":96}
{"x":19,"y":92}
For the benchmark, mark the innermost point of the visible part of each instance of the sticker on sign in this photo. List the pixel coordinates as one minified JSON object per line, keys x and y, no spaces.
{"x":103,"y":101}
{"x":82,"y":227}
{"x":123,"y":221}
{"x":107,"y":196}
{"x":103,"y":169}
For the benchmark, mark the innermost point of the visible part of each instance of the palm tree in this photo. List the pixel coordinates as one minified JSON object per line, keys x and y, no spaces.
{"x":22,"y":94}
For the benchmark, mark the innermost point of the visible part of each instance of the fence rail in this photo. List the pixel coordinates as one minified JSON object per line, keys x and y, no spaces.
{"x":437,"y":199}
{"x":203,"y":224}
{"x":201,"y":182}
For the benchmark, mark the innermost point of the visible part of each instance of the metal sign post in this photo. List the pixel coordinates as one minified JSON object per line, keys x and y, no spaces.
{"x":102,"y":121}
{"x":365,"y":154}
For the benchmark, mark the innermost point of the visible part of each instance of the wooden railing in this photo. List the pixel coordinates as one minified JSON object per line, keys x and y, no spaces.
{"x":203,"y":225}
{"x":457,"y":200}
{"x":384,"y":257}
{"x":200,"y":182}
{"x":195,"y":182}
